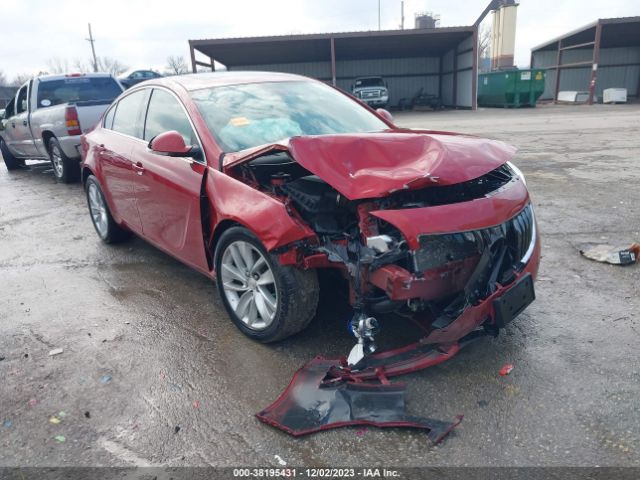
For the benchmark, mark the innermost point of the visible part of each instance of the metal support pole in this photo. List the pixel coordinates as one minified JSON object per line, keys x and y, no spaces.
{"x":194,"y":69}
{"x":455,"y":77}
{"x":402,"y":15}
{"x":378,"y":14}
{"x":596,"y":59}
{"x":556,"y":89}
{"x":474,"y":72}
{"x":333,"y":61}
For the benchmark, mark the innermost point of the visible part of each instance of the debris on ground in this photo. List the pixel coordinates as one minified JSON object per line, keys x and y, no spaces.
{"x":55,"y":420}
{"x":280,"y":460}
{"x":315,"y":401}
{"x":60,"y":438}
{"x":7,"y":423}
{"x":361,"y":431}
{"x":196,"y":404}
{"x":87,"y":414}
{"x":55,"y":351}
{"x":506,"y":370}
{"x":106,"y":379}
{"x":176,"y":429}
{"x":613,"y":255}
{"x":33,"y":402}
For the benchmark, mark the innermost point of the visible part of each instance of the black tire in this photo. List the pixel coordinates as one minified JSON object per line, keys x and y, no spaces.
{"x":112,"y":232}
{"x":65,"y":169}
{"x":10,"y":160}
{"x":297,"y":291}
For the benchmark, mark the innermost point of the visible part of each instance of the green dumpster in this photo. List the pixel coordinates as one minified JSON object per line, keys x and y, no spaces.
{"x":510,"y":88}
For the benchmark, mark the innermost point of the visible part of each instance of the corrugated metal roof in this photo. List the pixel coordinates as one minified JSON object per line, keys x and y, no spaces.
{"x":616,"y":32}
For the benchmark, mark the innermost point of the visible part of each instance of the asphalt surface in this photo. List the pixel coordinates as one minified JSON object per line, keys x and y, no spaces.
{"x":154,"y":373}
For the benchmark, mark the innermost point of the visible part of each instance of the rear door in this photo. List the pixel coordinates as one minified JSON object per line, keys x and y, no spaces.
{"x":122,"y":131}
{"x":18,"y":133}
{"x":168,"y":188}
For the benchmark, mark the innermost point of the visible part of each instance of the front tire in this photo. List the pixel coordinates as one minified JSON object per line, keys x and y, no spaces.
{"x":65,"y":169}
{"x":266,"y":301}
{"x":106,"y":227}
{"x":10,"y":160}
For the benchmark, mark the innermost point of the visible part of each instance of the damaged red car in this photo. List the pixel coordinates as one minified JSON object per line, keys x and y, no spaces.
{"x":260,"y":179}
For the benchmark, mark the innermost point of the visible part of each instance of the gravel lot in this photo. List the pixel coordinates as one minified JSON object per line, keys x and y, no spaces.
{"x":154,"y":373}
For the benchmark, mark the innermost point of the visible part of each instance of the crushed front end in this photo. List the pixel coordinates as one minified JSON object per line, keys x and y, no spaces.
{"x":439,"y":228}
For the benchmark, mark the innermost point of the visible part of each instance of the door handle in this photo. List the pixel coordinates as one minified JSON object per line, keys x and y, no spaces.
{"x":138,"y":168}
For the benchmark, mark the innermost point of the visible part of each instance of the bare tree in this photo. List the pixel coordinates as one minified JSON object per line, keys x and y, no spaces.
{"x":21,"y":78}
{"x":176,"y":65}
{"x":484,"y":43}
{"x":58,"y":65}
{"x":110,"y":65}
{"x":3,"y":79}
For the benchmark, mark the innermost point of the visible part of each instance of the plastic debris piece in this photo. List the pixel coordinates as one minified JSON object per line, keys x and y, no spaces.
{"x":106,"y":379}
{"x":55,"y":420}
{"x":613,"y":255}
{"x":60,"y":438}
{"x":7,"y":423}
{"x":280,"y":460}
{"x":196,"y":404}
{"x":62,"y":414}
{"x":87,"y":414}
{"x":55,"y":351}
{"x":33,"y":402}
{"x":177,"y":429}
{"x":506,"y":370}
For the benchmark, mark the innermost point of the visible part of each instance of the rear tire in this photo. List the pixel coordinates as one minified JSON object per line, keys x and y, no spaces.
{"x":106,"y":227}
{"x":65,"y":169}
{"x":266,"y":301}
{"x":10,"y":160}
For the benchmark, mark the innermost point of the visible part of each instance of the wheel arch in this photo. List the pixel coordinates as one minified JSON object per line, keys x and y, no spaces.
{"x":47,"y":135}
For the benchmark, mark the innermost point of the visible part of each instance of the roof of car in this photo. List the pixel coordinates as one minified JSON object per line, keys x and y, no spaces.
{"x":48,"y":78}
{"x":197,"y":81}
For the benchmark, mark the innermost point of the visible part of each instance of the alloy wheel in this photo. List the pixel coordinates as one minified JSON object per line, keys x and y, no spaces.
{"x":98,"y":210}
{"x":249,"y":285}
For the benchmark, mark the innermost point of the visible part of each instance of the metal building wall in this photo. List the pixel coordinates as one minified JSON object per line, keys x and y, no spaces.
{"x":618,"y":67}
{"x":405,"y":76}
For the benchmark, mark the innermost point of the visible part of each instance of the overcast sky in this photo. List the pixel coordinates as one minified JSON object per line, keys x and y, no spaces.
{"x":143,"y":34}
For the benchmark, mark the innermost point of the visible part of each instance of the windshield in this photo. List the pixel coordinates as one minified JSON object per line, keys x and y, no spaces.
{"x":245,"y":116}
{"x":77,"y":89}
{"x":370,"y":82}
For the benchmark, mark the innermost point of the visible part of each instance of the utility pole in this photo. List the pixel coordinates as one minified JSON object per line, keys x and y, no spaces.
{"x":93,"y":50}
{"x":378,"y":14}
{"x":402,"y":15}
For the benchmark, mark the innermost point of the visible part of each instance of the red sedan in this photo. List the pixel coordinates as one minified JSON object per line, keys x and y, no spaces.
{"x":259,"y":179}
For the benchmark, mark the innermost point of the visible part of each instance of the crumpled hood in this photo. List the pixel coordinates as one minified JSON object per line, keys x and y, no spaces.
{"x":372,"y":165}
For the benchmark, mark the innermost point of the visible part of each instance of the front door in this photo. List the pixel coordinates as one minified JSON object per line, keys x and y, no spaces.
{"x":167,"y":188}
{"x":17,"y":130}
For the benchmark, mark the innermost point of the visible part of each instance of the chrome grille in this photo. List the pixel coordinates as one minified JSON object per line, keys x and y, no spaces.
{"x":518,"y":234}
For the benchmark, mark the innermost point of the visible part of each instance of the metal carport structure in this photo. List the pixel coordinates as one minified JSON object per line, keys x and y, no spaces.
{"x":603,"y":54}
{"x":442,"y":61}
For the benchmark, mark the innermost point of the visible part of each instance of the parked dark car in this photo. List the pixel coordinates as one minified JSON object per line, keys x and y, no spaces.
{"x":132,"y":77}
{"x":260,"y":179}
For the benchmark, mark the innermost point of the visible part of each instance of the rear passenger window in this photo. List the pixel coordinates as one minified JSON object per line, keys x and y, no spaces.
{"x":108,"y":118}
{"x":127,"y":115}
{"x":166,"y":113}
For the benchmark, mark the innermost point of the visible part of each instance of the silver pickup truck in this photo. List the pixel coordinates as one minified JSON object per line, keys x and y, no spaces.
{"x":47,"y":117}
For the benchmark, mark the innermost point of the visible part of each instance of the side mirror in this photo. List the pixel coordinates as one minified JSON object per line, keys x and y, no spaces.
{"x":172,"y":144}
{"x":385,"y":114}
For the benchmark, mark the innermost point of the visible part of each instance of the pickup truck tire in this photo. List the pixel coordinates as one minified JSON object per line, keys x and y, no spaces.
{"x":106,"y":227}
{"x":65,"y":169}
{"x":10,"y":161}
{"x":266,"y":300}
